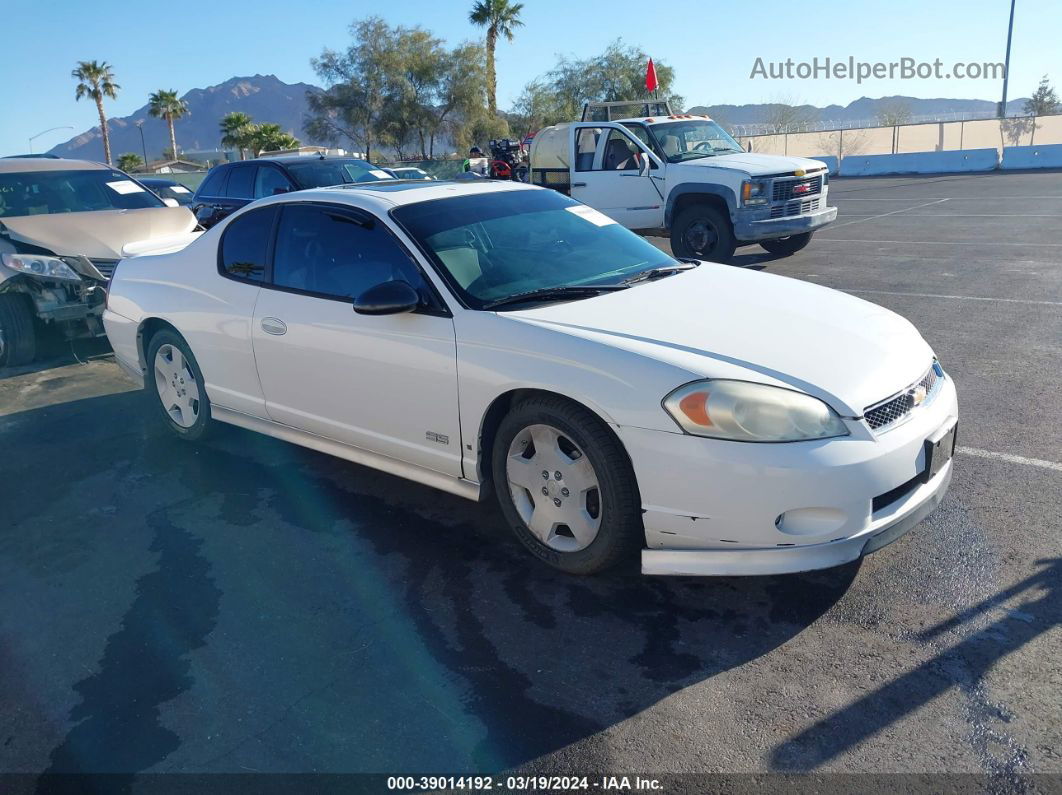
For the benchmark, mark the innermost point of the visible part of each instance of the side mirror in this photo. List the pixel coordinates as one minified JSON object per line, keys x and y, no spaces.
{"x":387,"y":298}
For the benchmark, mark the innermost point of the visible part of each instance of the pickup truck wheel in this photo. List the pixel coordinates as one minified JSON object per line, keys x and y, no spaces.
{"x":703,"y":232}
{"x":566,"y":487}
{"x":18,"y":338}
{"x":784,"y":246}
{"x":174,"y":385}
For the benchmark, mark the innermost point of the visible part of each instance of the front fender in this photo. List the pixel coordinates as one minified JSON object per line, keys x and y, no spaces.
{"x":704,"y":188}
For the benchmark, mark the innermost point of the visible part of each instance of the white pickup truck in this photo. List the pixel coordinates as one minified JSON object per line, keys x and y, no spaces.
{"x":683,"y":175}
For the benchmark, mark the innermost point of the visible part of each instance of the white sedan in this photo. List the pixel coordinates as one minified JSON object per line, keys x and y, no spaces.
{"x":499,"y":338}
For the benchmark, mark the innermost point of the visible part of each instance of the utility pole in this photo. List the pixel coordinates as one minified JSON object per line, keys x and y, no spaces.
{"x":1006,"y":67}
{"x":143,"y":146}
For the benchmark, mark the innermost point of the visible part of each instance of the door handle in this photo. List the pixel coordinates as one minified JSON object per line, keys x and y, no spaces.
{"x":274,"y":325}
{"x":578,"y":184}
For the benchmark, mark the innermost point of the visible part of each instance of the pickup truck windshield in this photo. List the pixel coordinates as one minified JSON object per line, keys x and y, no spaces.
{"x":693,"y":138}
{"x":76,"y":191}
{"x":317,"y":173}
{"x":491,"y":246}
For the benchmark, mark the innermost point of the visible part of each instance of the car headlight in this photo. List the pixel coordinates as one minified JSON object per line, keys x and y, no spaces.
{"x":743,"y":411}
{"x":40,"y":265}
{"x":754,"y":192}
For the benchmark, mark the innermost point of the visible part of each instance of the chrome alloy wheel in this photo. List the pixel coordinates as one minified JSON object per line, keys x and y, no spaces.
{"x":176,"y":386}
{"x":554,"y":488}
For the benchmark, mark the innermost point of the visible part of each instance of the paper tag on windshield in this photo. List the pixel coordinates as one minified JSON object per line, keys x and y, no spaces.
{"x":124,"y":186}
{"x":381,"y":174}
{"x":179,"y":189}
{"x":590,"y":214}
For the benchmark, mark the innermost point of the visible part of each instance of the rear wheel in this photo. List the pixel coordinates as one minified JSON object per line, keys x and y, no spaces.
{"x":703,"y":232}
{"x":175,"y":386}
{"x":18,"y":338}
{"x":784,"y":246}
{"x":566,"y":487}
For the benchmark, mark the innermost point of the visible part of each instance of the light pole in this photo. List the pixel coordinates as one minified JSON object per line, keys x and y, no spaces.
{"x":1006,"y":66}
{"x":42,"y":132}
{"x":143,"y":146}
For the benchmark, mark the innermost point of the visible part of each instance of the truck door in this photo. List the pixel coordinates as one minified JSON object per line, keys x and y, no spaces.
{"x":615,"y":173}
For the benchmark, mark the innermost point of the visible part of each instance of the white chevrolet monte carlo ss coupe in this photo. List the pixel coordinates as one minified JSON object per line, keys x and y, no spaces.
{"x":481,"y":337}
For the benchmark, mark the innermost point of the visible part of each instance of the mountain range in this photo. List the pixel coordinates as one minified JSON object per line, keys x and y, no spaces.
{"x":268,"y":99}
{"x":264,"y":98}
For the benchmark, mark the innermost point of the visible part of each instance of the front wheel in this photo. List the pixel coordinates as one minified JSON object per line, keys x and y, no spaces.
{"x":175,"y":386}
{"x":703,"y":232}
{"x":566,"y":487}
{"x":18,"y":338}
{"x":784,"y":246}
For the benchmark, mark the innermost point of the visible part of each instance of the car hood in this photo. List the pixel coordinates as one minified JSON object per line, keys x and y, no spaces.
{"x":719,"y":321}
{"x":100,"y":234}
{"x":756,"y":165}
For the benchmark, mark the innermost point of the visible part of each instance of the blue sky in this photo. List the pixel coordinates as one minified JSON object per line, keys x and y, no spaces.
{"x":713,"y":46}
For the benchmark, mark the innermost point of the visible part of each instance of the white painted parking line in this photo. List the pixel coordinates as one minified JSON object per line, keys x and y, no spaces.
{"x":894,"y":212}
{"x":954,"y":215}
{"x":837,"y":194}
{"x":982,"y":244}
{"x":1010,"y":459}
{"x":955,"y":297}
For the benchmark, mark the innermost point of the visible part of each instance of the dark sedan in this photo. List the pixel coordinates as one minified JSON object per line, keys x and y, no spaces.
{"x":167,"y":189}
{"x":230,"y":186}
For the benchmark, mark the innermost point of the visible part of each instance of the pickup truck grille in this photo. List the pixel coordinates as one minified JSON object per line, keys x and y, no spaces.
{"x":786,"y":189}
{"x":105,"y":266}
{"x":896,"y":408}
{"x":796,"y":207}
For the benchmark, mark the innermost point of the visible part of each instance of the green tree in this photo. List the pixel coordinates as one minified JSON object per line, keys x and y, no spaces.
{"x":96,"y":81}
{"x":237,"y":130}
{"x":500,"y":18}
{"x":168,"y":106}
{"x":270,"y":138}
{"x":615,"y":75}
{"x":1044,"y":101}
{"x":129,"y":161}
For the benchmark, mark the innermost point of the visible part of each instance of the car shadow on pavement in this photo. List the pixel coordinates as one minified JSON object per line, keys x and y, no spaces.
{"x":358,"y":622}
{"x":977,"y":638}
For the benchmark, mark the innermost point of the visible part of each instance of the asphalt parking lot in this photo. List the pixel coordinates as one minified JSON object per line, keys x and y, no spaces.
{"x":247,"y":605}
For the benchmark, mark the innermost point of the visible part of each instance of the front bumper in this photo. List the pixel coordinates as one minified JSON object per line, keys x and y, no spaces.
{"x":726,"y":508}
{"x":749,"y":230}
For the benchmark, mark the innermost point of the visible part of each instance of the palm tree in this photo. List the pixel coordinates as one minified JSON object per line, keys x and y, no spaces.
{"x":130,"y":161}
{"x":96,"y":80}
{"x":271,"y":138}
{"x":166,"y":105}
{"x":237,"y":130}
{"x":499,"y":17}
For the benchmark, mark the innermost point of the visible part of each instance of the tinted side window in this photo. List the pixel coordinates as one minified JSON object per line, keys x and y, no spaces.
{"x":331,"y":253}
{"x":245,"y":245}
{"x":214,"y":184}
{"x":269,"y":180}
{"x":241,"y":182}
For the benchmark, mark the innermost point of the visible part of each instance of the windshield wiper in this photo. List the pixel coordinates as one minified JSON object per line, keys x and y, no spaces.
{"x":559,"y":293}
{"x":658,"y":273}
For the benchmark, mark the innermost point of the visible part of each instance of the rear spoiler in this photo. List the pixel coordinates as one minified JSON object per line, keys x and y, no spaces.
{"x":159,"y":245}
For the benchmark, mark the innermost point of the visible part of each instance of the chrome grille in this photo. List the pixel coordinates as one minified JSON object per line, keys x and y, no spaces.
{"x":786,"y":189}
{"x":795,"y":207}
{"x":105,"y":266}
{"x":894,"y":409}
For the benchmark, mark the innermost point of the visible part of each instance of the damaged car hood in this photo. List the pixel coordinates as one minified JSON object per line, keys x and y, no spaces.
{"x":100,"y":234}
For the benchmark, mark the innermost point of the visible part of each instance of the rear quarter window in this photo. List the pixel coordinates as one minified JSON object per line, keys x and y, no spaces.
{"x":243,"y":253}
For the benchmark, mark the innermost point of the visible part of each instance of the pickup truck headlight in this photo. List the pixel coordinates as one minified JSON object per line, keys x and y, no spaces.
{"x":754,"y":192}
{"x":40,"y":265}
{"x":743,"y":411}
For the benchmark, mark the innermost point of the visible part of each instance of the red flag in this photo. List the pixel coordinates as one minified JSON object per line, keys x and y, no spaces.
{"x":650,"y":77}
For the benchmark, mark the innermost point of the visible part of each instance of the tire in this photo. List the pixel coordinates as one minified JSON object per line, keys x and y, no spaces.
{"x":703,"y":232}
{"x":784,"y":246}
{"x":602,"y":522}
{"x":18,"y":337}
{"x":174,"y":386}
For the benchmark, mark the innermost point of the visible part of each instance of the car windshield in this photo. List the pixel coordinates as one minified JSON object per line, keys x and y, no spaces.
{"x":47,"y":192}
{"x":491,"y":246}
{"x":317,"y":173}
{"x":687,"y":140}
